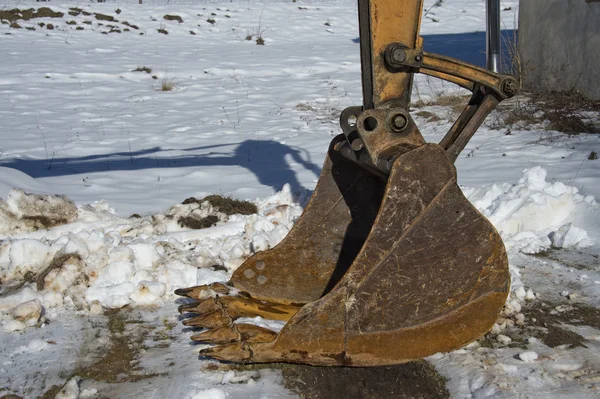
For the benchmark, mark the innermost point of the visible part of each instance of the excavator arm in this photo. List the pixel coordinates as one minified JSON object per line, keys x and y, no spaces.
{"x":389,"y":261}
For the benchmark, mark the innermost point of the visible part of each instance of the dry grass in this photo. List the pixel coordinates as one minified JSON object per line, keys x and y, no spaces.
{"x":565,"y":112}
{"x":455,"y":104}
{"x":430,"y":116}
{"x":168,"y":84}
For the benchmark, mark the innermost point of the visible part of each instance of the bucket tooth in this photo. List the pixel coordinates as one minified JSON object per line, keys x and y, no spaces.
{"x":235,"y":333}
{"x":252,"y":333}
{"x":247,"y":307}
{"x":218,"y":336}
{"x":216,"y":319}
{"x":236,"y":352}
{"x":204,"y":306}
{"x":204,"y":291}
{"x":237,"y":307}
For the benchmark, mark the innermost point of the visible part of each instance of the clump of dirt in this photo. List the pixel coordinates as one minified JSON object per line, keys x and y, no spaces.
{"x":197,"y":224}
{"x":177,"y":18}
{"x":104,"y":17}
{"x":16,"y":14}
{"x":44,"y":222}
{"x":226,"y":205}
{"x":411,"y":380}
{"x":130,"y":25}
{"x":164,"y":32}
{"x":143,"y":69}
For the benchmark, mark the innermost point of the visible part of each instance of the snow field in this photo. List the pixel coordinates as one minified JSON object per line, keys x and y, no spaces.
{"x":243,"y":120}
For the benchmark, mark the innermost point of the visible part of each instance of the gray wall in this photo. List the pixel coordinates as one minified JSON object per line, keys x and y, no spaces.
{"x":559,"y":45}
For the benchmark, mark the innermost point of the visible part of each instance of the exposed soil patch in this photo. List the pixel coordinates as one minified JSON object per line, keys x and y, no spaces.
{"x":104,"y":17}
{"x":411,"y":380}
{"x":143,"y":69}
{"x":50,"y":393}
{"x":196,"y":224}
{"x":545,"y":323}
{"x":119,"y":362}
{"x":177,"y":18}
{"x":25,"y":15}
{"x":130,"y":25}
{"x":226,"y":205}
{"x":574,"y":259}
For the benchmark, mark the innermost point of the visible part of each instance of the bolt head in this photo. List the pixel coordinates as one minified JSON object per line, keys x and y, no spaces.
{"x":399,"y":122}
{"x":399,"y":55}
{"x":358,"y":145}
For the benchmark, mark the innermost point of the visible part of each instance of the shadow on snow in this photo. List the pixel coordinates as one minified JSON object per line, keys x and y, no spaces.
{"x":269,"y":161}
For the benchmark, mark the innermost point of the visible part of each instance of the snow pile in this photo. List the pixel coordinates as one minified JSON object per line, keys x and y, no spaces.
{"x":534,"y":215}
{"x":27,"y":212}
{"x":99,"y":260}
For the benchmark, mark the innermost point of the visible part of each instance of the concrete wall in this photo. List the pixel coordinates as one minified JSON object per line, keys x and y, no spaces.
{"x":559,"y":45}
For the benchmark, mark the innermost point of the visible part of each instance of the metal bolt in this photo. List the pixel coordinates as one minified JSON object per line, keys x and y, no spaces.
{"x":399,"y":122}
{"x":399,"y":55}
{"x":419,"y":58}
{"x":510,"y":87}
{"x":358,"y":145}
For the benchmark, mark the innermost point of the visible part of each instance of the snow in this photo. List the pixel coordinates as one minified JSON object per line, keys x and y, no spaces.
{"x":534,"y":214}
{"x":87,"y":143}
{"x":529,"y":356}
{"x":213,"y":393}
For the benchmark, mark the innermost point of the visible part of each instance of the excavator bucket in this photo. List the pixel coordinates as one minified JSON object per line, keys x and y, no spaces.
{"x":389,"y":261}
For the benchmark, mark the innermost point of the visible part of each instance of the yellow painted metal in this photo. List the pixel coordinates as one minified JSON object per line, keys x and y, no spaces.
{"x":396,"y":21}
